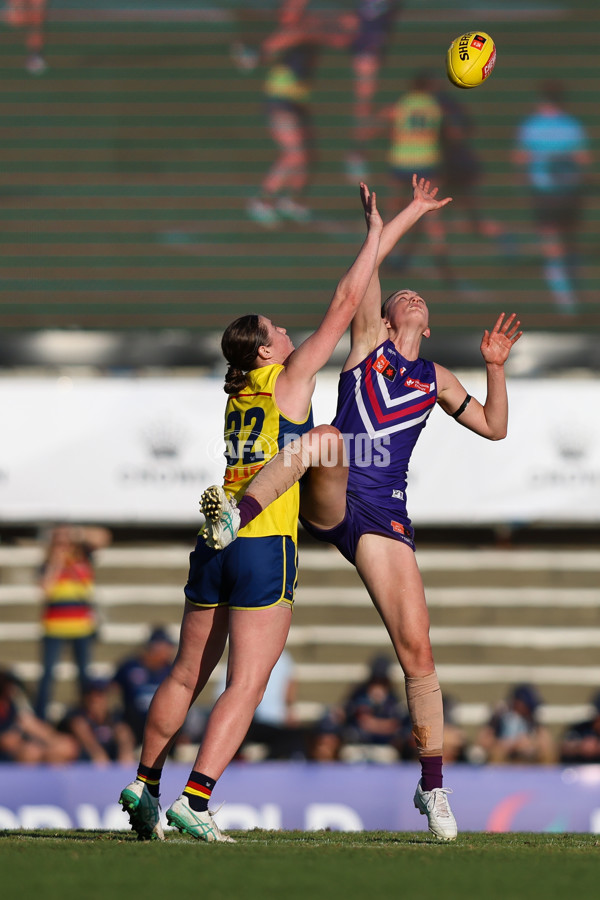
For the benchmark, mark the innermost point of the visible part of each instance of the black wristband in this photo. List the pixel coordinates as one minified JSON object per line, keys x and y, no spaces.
{"x":462,"y":407}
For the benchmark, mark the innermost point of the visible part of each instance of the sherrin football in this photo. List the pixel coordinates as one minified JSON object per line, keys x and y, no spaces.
{"x":470,"y":59}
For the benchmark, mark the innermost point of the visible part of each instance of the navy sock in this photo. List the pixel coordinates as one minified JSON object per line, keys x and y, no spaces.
{"x":198,"y":790}
{"x":431,"y":772}
{"x":248,"y":508}
{"x":150,"y":777}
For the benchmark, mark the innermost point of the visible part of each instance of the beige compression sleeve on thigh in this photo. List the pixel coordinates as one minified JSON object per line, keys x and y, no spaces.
{"x":424,"y":699}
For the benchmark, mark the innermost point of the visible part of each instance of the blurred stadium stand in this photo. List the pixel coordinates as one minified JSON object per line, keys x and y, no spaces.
{"x":126,"y":167}
{"x":124,"y":174}
{"x":499,"y":617}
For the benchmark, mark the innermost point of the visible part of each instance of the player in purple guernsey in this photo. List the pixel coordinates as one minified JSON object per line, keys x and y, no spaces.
{"x":383,"y":405}
{"x":354,"y":495}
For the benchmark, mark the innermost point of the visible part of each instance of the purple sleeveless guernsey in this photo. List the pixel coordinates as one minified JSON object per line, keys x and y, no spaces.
{"x":383,"y":405}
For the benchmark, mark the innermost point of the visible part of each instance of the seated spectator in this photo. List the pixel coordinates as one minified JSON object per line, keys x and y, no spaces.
{"x":138,"y":678}
{"x":514,"y":734}
{"x":101,"y":733}
{"x":581,"y":742}
{"x":24,"y":738}
{"x":374,"y":715}
{"x":325,"y":739}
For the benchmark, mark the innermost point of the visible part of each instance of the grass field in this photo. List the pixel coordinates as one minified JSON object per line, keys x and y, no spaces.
{"x":289,"y":865}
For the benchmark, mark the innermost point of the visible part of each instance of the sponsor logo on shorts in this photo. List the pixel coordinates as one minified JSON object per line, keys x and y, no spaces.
{"x":398,"y":527}
{"x":489,"y":65}
{"x":419,"y":385}
{"x":397,"y":494}
{"x":478,"y":42}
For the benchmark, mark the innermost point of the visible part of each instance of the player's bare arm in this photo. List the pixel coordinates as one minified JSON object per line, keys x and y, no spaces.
{"x":368,"y":330}
{"x":296,"y":384}
{"x":490,"y":419}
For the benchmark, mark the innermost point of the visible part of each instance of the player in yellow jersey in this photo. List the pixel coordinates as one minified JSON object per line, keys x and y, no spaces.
{"x":244,"y":595}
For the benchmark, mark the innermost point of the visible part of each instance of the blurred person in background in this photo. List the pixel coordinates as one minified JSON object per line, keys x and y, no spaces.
{"x":25,"y":738}
{"x":99,"y":730}
{"x":250,"y":15}
{"x":139,"y":676}
{"x":416,"y":126}
{"x":375,"y":21}
{"x":552,"y":150}
{"x":31,"y":16}
{"x":374,"y":715}
{"x":581,"y":742}
{"x":69,"y":614}
{"x":514,"y":733}
{"x":292,"y":54}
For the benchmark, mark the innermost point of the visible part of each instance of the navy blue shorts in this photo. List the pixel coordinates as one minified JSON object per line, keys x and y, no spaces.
{"x":362,"y":518}
{"x":251,"y":573}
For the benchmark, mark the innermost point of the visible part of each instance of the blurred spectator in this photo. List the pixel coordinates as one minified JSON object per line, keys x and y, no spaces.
{"x":325,"y":739}
{"x":455,"y":739}
{"x":69,"y":616}
{"x":24,"y":738}
{"x":31,"y":16}
{"x":553,"y":149}
{"x":416,"y":121}
{"x":581,"y":742}
{"x":101,"y":733}
{"x":374,"y":715}
{"x":514,"y":733}
{"x":374,"y":29}
{"x":249,"y":17}
{"x":462,"y":169}
{"x":292,"y":53}
{"x":138,"y":678}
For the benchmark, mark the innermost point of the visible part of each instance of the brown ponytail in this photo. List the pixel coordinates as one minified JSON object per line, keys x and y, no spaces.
{"x":240,"y":344}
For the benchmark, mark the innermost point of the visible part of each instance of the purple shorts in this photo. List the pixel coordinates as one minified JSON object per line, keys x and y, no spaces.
{"x":363,"y":518}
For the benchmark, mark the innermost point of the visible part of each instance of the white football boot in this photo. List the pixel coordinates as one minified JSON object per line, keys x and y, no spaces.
{"x":434,"y":804}
{"x":144,"y":811}
{"x":199,"y":825}
{"x":222,"y":517}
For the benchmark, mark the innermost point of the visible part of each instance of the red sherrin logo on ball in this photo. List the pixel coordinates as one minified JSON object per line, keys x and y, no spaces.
{"x":478,"y":42}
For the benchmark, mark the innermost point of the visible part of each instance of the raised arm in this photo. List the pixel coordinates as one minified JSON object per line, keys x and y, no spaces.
{"x":490,"y":420}
{"x":296,"y":383}
{"x":368,"y":330}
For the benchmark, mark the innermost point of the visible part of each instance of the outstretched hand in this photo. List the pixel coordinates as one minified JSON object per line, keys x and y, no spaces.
{"x":497,"y":343}
{"x":369,"y":202}
{"x":427,"y":195}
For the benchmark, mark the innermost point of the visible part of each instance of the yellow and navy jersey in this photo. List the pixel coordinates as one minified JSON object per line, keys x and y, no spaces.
{"x":255,"y":431}
{"x":416,"y":132}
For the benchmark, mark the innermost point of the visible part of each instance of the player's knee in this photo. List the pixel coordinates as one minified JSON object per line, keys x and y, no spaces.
{"x":326,"y":446}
